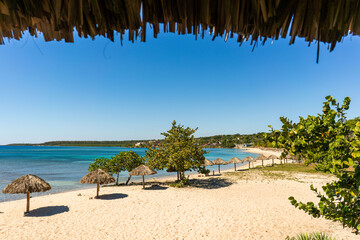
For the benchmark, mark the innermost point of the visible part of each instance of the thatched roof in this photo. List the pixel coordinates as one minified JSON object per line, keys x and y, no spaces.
{"x":97,"y":176}
{"x":219,"y":161}
{"x":26,"y":183}
{"x":327,"y":21}
{"x":249,"y":159}
{"x":235,"y":160}
{"x":272,"y":157}
{"x":207,"y":162}
{"x":142,"y":170}
{"x":261,"y":157}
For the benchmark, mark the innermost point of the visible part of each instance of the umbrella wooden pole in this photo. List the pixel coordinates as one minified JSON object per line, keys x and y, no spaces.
{"x":262,"y":163}
{"x":97,"y":190}
{"x":143,"y":181}
{"x":249,"y":164}
{"x":272,"y":162}
{"x":219,"y":168}
{"x":27,"y":201}
{"x":235,"y":166}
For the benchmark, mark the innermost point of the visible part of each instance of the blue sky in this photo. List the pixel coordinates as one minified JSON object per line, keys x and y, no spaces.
{"x":99,"y":90}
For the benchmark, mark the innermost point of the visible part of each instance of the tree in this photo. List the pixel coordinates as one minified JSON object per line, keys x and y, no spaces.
{"x":333,"y":146}
{"x":124,"y":161}
{"x":131,"y":161}
{"x":179,"y":151}
{"x":102,"y":163}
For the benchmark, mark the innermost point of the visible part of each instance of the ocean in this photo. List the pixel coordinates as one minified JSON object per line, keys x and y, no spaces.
{"x":63,"y":167}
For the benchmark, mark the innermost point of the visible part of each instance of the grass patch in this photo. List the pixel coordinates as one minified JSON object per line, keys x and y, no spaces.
{"x":290,"y":167}
{"x":276,"y":172}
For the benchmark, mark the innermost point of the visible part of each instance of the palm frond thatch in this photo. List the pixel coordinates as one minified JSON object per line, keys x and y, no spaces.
{"x":271,"y":157}
{"x":207,"y":162}
{"x":249,"y":159}
{"x":235,"y":160}
{"x":27,"y":183}
{"x":219,"y":161}
{"x":142,"y":170}
{"x":261,"y":157}
{"x":97,"y":176}
{"x":325,"y":21}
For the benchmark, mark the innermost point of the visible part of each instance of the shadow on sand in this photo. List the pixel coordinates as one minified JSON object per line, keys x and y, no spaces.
{"x":112,"y":196}
{"x":156,"y":187}
{"x":47,"y":211}
{"x":210,"y":183}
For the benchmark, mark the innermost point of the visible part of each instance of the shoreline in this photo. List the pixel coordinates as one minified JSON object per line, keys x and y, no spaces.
{"x":226,"y":207}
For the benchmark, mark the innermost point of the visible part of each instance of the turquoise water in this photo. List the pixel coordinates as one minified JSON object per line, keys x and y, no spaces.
{"x":63,"y":167}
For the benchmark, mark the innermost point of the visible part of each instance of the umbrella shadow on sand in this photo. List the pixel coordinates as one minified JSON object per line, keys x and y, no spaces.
{"x":47,"y":211}
{"x":112,"y":196}
{"x":210,"y":183}
{"x":156,"y":187}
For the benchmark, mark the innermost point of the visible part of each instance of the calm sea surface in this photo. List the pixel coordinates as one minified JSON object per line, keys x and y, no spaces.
{"x":63,"y":167}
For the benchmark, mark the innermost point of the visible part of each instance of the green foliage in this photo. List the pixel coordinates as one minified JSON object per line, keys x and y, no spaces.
{"x":102,"y":163}
{"x":333,"y":146}
{"x":203,"y":170}
{"x":179,"y":151}
{"x":124,"y":161}
{"x":180,"y":184}
{"x":312,"y":236}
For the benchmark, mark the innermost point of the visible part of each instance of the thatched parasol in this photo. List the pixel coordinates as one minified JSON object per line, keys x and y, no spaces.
{"x":142,"y":170}
{"x":97,"y":177}
{"x":244,"y":20}
{"x":27,"y":184}
{"x":249,"y":159}
{"x":207,"y":162}
{"x":219,"y":162}
{"x":235,"y":160}
{"x":272,"y":157}
{"x":262,"y":158}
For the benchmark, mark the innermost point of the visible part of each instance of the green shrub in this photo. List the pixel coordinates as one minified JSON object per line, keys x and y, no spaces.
{"x":180,"y":184}
{"x":311,"y":236}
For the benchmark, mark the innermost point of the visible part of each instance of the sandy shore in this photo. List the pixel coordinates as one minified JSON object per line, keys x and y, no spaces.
{"x":226,"y":207}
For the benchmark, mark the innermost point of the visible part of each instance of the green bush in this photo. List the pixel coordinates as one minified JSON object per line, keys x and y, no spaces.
{"x":311,"y":236}
{"x":180,"y":184}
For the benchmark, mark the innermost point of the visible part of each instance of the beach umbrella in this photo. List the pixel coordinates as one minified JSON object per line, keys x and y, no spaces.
{"x":272,"y":157}
{"x":262,"y":158}
{"x":235,"y":160}
{"x":97,"y":177}
{"x":249,"y":159}
{"x":142,"y":170}
{"x":27,"y":184}
{"x":207,"y":162}
{"x":219,"y":162}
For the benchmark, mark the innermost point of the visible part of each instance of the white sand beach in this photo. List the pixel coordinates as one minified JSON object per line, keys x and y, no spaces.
{"x":226,"y":207}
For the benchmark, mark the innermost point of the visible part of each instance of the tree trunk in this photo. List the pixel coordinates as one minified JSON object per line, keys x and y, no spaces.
{"x":117,"y":179}
{"x":97,"y":190}
{"x":177,"y":175}
{"x":128,"y":180}
{"x":143,"y":181}
{"x":27,"y":201}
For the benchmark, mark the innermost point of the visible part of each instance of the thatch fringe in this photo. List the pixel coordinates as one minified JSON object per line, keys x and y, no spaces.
{"x":142,"y":170}
{"x":219,"y":161}
{"x":261,"y":157}
{"x":255,"y":20}
{"x":235,"y":160}
{"x":27,"y":183}
{"x":97,"y":176}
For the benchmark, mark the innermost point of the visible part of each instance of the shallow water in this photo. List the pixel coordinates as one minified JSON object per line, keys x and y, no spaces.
{"x":63,"y":167}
